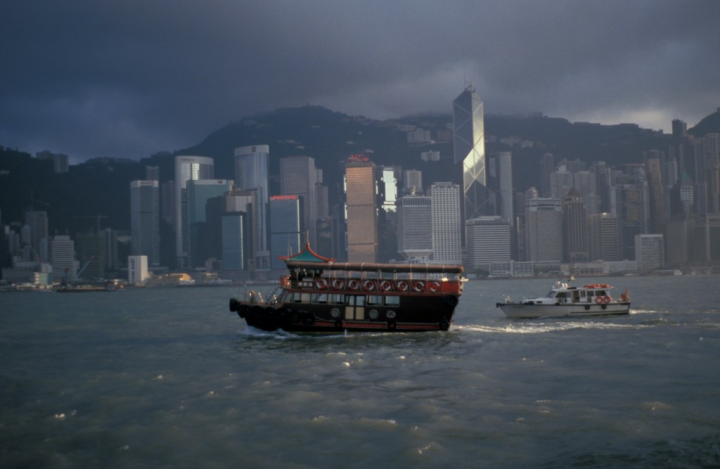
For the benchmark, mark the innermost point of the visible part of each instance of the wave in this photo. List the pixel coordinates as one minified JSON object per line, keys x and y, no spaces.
{"x":542,"y":328}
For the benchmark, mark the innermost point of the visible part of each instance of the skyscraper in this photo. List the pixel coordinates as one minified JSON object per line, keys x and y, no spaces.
{"x":649,"y":252}
{"x":604,"y":237}
{"x":63,"y":258}
{"x":658,"y":217}
{"x":362,"y":238}
{"x":187,"y":168}
{"x":204,"y":234}
{"x":488,"y":241}
{"x":299,"y":176}
{"x":500,"y":182}
{"x":287,"y":227}
{"x":575,"y":224}
{"x":38,"y":223}
{"x":251,"y":174}
{"x":469,"y":149}
{"x":145,"y":220}
{"x":544,"y":230}
{"x":446,"y":223}
{"x":631,"y":206}
{"x":414,"y":227}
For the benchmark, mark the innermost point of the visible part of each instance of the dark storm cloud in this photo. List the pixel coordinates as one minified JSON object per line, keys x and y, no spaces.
{"x":127,"y":78}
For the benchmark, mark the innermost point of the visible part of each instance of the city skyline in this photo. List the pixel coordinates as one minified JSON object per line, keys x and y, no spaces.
{"x":643,"y":62}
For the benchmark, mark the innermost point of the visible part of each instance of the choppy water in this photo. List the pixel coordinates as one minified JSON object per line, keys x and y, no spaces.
{"x":171,"y":378}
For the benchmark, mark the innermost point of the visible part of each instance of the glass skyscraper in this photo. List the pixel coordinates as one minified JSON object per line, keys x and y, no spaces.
{"x":251,"y":174}
{"x":145,"y":220}
{"x":187,"y":168}
{"x":286,"y":227}
{"x":469,"y":149}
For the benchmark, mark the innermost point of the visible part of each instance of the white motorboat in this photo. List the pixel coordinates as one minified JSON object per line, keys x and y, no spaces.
{"x":564,"y":300}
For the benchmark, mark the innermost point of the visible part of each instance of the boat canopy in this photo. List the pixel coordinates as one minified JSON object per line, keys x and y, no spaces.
{"x":374,"y":267}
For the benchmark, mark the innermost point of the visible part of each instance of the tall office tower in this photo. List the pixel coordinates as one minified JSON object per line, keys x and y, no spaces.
{"x":469,"y":149}
{"x":604,"y":237}
{"x":547,"y":167}
{"x":544,"y":240}
{"x":706,"y":240}
{"x":686,"y":190}
{"x":585,"y":182}
{"x":327,"y":237}
{"x":488,"y":241}
{"x":575,"y":228}
{"x":167,"y":202}
{"x":299,"y":176}
{"x":658,"y":217}
{"x":414,"y":228}
{"x":649,"y":252}
{"x":145,"y":220}
{"x":63,"y":258}
{"x":152,"y":173}
{"x":679,"y":241}
{"x":362,"y":242}
{"x":561,"y":181}
{"x":322,"y":202}
{"x":412,"y":181}
{"x":203,"y":234}
{"x":236,"y":240}
{"x":251,"y":174}
{"x":446,"y":223}
{"x":603,"y":181}
{"x":500,"y":182}
{"x":38,"y":223}
{"x":631,"y":206}
{"x":387,"y":183}
{"x":187,"y":168}
{"x":287,"y":227}
{"x":91,"y":252}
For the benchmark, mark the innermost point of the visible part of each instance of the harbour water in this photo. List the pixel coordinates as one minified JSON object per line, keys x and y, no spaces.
{"x":170,"y":378}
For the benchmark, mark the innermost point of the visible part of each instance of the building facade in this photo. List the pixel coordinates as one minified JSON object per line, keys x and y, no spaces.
{"x":446,"y":223}
{"x":251,"y":174}
{"x":187,"y":168}
{"x":145,"y":220}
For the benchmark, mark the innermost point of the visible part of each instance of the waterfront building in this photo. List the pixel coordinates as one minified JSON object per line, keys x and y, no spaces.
{"x":362,"y":241}
{"x":414,"y":227}
{"x":575,"y":228}
{"x":251,"y":174}
{"x":469,"y":151}
{"x":145,"y":220}
{"x":37,"y":222}
{"x":500,"y":182}
{"x":446,"y":223}
{"x":631,"y":206}
{"x":488,"y":242}
{"x":63,"y":258}
{"x":187,"y":168}
{"x":204,"y":225}
{"x":656,"y":193}
{"x":604,"y":232}
{"x":138,"y":269}
{"x":649,"y":252}
{"x":287,"y":227}
{"x":236,"y":240}
{"x":544,"y":233}
{"x":299,"y":176}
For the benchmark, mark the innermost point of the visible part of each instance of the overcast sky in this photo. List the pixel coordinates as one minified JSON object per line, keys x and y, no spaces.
{"x":129,"y":78}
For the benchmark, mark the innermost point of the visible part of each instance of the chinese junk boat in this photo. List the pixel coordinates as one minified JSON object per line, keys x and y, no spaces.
{"x":564,"y":300}
{"x":319,"y":295}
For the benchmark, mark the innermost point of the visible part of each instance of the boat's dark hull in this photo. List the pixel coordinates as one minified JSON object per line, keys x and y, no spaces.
{"x":417,"y":314}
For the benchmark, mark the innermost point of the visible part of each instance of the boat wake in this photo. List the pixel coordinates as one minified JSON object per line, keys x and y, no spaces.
{"x":544,"y":327}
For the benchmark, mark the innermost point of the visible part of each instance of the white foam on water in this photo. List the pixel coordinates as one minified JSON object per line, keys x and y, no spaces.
{"x":542,"y":327}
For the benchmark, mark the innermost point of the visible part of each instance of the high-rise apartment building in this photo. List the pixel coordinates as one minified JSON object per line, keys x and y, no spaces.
{"x":187,"y":168}
{"x":362,"y":241}
{"x":446,"y":223}
{"x":414,"y":227}
{"x":631,"y":206}
{"x":145,"y":220}
{"x":469,"y":150}
{"x":287,"y":227}
{"x":251,"y":174}
{"x":488,"y":241}
{"x":544,"y":234}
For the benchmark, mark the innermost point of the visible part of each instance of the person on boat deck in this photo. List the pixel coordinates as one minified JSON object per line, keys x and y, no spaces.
{"x":576,"y":296}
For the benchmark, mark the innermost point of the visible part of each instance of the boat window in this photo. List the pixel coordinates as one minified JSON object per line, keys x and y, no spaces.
{"x":336,"y":299}
{"x":374,"y":300}
{"x":359,"y":301}
{"x":392,"y":301}
{"x":321,"y":298}
{"x":551,"y":294}
{"x":297,"y":297}
{"x":602,"y":293}
{"x":562,"y":294}
{"x":305,"y":298}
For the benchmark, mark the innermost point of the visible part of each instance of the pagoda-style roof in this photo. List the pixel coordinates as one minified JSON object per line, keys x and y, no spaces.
{"x":306,"y":255}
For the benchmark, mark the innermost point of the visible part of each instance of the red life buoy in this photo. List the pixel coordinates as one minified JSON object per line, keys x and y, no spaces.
{"x":353,"y":284}
{"x":369,"y":285}
{"x":321,"y":284}
{"x":385,"y":285}
{"x":338,"y":284}
{"x":419,"y":286}
{"x":599,"y":300}
{"x":434,"y":286}
{"x":402,"y":285}
{"x":606,"y":299}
